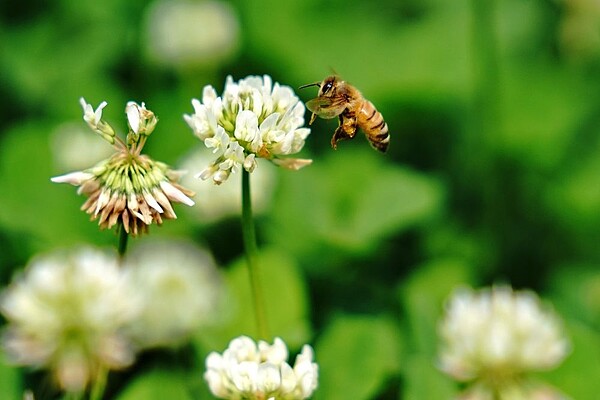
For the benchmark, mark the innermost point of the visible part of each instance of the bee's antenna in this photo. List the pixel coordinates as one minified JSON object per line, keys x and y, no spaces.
{"x":310,"y":84}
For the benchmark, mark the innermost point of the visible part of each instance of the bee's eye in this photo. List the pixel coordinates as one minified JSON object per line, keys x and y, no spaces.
{"x":327,"y":87}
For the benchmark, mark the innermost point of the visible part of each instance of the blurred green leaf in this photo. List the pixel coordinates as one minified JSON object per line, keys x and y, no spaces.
{"x":285,"y":298}
{"x":354,"y":46}
{"x":575,"y":292}
{"x":544,"y":106}
{"x":424,"y":381}
{"x":578,"y":375}
{"x":157,"y":385}
{"x":10,"y":381}
{"x":573,"y":199}
{"x":356,"y":356}
{"x":423,"y":296}
{"x":349,"y":201}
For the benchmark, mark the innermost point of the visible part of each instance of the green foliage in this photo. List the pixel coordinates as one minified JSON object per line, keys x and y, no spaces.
{"x":285,"y":298}
{"x":356,"y":357}
{"x":492,"y":174}
{"x":361,"y":202}
{"x":157,"y":385}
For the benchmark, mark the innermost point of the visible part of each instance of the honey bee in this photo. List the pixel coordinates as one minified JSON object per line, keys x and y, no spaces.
{"x":338,"y":98}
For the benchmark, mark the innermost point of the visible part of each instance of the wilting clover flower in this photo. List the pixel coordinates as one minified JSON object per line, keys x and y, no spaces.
{"x":179,"y":288}
{"x":129,"y":188}
{"x":253,"y":118}
{"x":261,"y":372}
{"x":495,"y":336}
{"x":66,"y":312}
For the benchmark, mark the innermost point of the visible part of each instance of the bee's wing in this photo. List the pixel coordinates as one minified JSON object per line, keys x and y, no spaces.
{"x":326,"y":107}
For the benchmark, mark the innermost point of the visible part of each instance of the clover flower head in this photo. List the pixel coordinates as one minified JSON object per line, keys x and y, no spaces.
{"x":178,"y":285}
{"x":495,"y":336}
{"x":247,"y":370}
{"x":186,"y":34}
{"x":66,"y":313}
{"x":253,"y":118}
{"x":129,"y":188}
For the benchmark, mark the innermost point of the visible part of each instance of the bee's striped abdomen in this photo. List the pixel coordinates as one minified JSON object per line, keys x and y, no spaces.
{"x":372,"y":123}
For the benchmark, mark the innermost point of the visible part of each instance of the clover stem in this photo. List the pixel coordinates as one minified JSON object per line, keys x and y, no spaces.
{"x":251,"y":248}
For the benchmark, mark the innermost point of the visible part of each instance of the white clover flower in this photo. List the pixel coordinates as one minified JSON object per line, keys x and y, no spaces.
{"x":187,"y":34}
{"x":253,"y":118}
{"x":261,"y":372}
{"x":66,"y":313}
{"x":496,"y":335}
{"x":179,"y":288}
{"x":219,"y":202}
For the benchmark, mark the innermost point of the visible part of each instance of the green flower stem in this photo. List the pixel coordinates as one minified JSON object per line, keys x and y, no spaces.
{"x":99,"y":383}
{"x":123,"y":236}
{"x":251,"y":248}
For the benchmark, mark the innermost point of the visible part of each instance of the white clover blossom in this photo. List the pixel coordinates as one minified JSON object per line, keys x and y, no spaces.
{"x":495,"y":336}
{"x":251,"y":371}
{"x":253,"y":118}
{"x":179,"y":288}
{"x":66,"y":312}
{"x":186,"y":34}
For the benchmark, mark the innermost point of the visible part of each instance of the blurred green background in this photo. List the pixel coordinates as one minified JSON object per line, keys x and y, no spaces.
{"x":493,"y":172}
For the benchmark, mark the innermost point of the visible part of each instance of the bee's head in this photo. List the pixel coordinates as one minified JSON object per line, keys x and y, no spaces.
{"x":327,"y":87}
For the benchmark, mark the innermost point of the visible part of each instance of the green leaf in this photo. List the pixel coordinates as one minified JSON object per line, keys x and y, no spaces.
{"x":356,"y":356}
{"x":285,"y":297}
{"x":10,"y":381}
{"x":424,"y":381}
{"x":423,"y":295}
{"x":349,"y":201}
{"x":575,"y":376}
{"x":157,"y":385}
{"x":575,"y":291}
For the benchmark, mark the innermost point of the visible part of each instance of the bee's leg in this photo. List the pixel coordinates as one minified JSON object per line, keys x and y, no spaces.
{"x":346,"y":129}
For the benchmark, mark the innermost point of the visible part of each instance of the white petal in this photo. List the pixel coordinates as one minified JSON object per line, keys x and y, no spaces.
{"x":293,"y":164}
{"x":74,"y":178}
{"x":173,"y":193}
{"x":152,"y":202}
{"x":133,"y":116}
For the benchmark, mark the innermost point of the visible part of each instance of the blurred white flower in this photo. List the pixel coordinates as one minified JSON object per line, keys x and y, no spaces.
{"x":65,"y":313}
{"x":179,"y":288}
{"x":215,"y":203}
{"x":183,"y":33}
{"x":260,"y":372}
{"x":253,"y":118}
{"x":496,"y":335}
